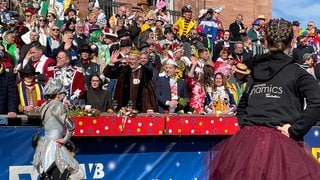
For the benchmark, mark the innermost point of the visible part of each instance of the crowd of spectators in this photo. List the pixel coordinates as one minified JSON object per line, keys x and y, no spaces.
{"x":185,"y":66}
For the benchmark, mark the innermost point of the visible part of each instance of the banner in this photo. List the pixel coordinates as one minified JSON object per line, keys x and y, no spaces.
{"x":117,"y":158}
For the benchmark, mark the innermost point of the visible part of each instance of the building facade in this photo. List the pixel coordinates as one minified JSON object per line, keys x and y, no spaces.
{"x":249,"y":8}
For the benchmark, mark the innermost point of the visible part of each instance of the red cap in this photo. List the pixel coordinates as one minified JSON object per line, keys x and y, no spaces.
{"x":30,"y":11}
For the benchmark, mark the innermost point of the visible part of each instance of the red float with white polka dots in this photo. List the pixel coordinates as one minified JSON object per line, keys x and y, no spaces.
{"x":143,"y":125}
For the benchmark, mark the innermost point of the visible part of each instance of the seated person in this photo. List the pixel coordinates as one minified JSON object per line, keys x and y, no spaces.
{"x":218,"y":97}
{"x":97,"y":97}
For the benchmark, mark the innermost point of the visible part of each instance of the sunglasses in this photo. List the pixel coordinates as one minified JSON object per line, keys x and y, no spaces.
{"x":310,"y":25}
{"x":28,"y":15}
{"x":41,"y":20}
{"x":55,"y":29}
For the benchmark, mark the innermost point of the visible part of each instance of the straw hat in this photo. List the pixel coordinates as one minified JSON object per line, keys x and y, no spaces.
{"x":52,"y":11}
{"x":242,"y":68}
{"x":202,"y":12}
{"x":262,"y":17}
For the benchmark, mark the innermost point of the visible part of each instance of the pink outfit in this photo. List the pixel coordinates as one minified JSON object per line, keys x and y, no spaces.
{"x":196,"y":94}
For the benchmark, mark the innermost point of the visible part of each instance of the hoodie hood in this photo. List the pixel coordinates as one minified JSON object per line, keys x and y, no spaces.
{"x":266,"y":66}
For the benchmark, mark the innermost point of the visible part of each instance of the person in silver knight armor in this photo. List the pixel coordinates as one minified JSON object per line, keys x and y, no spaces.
{"x":50,"y":152}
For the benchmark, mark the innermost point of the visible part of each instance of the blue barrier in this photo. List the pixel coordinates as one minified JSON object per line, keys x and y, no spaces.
{"x":151,"y":158}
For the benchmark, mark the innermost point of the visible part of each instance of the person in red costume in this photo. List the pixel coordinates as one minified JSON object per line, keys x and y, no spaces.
{"x":70,"y":76}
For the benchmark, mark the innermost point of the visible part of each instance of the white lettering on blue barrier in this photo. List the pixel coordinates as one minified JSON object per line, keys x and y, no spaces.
{"x":28,"y":172}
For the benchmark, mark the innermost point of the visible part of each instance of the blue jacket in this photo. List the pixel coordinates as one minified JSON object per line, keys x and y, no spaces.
{"x":163,"y":92}
{"x":8,"y":93}
{"x":210,"y":29}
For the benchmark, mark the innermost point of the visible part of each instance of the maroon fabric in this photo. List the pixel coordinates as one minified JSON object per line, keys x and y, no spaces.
{"x":261,"y":153}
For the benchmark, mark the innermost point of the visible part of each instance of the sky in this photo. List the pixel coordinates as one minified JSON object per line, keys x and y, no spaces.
{"x":301,"y":10}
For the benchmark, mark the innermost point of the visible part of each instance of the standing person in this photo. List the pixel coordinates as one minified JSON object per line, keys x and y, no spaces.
{"x":101,"y":16}
{"x":238,"y":51}
{"x":134,"y":82}
{"x":255,"y":33}
{"x":185,"y":23}
{"x":79,"y":38}
{"x":219,"y":99}
{"x":238,"y":81}
{"x":53,"y":41}
{"x":238,"y":29}
{"x":38,"y":59}
{"x":87,"y":67}
{"x":247,"y":51}
{"x":272,"y":119}
{"x":71,"y":77}
{"x":301,"y":49}
{"x":50,"y":151}
{"x":222,"y":44}
{"x":29,"y":91}
{"x":67,"y":45}
{"x":169,"y":89}
{"x":10,"y":46}
{"x":8,"y":95}
{"x":195,"y":85}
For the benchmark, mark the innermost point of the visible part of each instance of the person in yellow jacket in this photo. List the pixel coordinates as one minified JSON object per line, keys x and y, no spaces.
{"x":238,"y":81}
{"x":185,"y":23}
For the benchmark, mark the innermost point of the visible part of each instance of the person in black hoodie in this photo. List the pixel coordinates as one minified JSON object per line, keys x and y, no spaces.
{"x":272,"y":118}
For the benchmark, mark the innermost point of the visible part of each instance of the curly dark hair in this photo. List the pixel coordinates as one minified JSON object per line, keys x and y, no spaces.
{"x":279,"y":34}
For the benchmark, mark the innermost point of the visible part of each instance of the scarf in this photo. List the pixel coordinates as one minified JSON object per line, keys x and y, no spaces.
{"x":2,"y":68}
{"x":22,"y":89}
